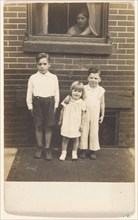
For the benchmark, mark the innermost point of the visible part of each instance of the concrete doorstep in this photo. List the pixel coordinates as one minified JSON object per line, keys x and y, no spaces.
{"x":112,"y":165}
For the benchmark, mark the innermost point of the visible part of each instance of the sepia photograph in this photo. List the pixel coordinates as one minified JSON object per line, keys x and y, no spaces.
{"x":69,"y":108}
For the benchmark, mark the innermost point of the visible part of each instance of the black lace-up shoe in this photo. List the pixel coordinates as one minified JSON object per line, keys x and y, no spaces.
{"x":38,"y":154}
{"x":48,"y":154}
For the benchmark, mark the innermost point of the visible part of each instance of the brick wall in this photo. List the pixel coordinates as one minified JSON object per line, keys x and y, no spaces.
{"x":118,"y":70}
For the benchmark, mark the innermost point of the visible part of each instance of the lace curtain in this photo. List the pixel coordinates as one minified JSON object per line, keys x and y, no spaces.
{"x":95,"y":14}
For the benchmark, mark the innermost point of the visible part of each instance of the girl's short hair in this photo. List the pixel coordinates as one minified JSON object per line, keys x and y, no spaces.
{"x":94,"y":70}
{"x":42,"y":55}
{"x":85,"y":12}
{"x":78,"y":86}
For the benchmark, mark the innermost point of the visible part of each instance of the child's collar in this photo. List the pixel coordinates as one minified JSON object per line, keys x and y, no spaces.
{"x":47,"y":73}
{"x":73,"y":100}
{"x":89,"y":87}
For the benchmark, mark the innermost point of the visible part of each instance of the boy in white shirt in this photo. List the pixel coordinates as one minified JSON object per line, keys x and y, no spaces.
{"x":42,"y":101}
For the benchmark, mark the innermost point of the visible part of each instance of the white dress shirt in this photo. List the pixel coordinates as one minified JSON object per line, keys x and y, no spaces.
{"x":43,"y":85}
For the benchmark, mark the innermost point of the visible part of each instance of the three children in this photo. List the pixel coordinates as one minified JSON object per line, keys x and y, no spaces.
{"x":80,"y":116}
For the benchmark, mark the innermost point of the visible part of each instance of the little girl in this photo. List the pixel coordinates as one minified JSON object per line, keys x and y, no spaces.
{"x":95,"y":104}
{"x":72,"y":119}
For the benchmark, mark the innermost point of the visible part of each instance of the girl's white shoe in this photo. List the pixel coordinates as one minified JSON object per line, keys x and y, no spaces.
{"x":63,"y":155}
{"x":74,"y":155}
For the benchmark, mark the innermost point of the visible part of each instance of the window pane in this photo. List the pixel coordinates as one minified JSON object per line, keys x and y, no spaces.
{"x":57,"y":18}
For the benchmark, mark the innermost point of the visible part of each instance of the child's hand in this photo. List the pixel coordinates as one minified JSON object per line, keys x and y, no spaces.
{"x":55,"y":109}
{"x":67,"y":99}
{"x":101,"y":119}
{"x":31,"y":111}
{"x":80,"y":129}
{"x":59,"y":122}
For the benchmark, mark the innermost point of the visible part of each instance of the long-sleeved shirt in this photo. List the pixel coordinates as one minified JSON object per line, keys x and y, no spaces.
{"x":43,"y":85}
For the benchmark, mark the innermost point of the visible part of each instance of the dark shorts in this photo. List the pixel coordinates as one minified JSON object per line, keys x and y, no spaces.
{"x":43,"y":111}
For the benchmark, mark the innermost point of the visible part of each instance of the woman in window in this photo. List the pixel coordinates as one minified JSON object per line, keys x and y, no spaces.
{"x":82,"y":25}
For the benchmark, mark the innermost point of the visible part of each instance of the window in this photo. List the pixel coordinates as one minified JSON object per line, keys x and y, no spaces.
{"x":68,"y":27}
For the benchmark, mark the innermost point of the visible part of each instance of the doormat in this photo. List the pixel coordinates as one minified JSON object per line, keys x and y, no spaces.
{"x":112,"y":165}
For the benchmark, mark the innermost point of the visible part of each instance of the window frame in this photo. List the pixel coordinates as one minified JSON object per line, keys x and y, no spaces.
{"x":63,"y":43}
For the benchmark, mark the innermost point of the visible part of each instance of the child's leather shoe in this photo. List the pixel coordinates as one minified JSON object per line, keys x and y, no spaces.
{"x":48,"y":154}
{"x":82,"y":154}
{"x":38,"y":154}
{"x":92,"y":155}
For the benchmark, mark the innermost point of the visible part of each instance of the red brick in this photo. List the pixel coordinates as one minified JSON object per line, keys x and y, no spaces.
{"x":125,"y":23}
{"x":125,"y":67}
{"x":120,"y":51}
{"x":5,"y":20}
{"x":21,"y":38}
{"x":57,"y":66}
{"x":10,"y":26}
{"x":61,"y":56}
{"x":130,"y":51}
{"x":20,"y":49}
{"x":8,"y":60}
{"x":131,"y":6}
{"x":112,"y":35}
{"x":130,"y":62}
{"x":112,"y":56}
{"x":117,"y":17}
{"x":107,"y":67}
{"x":9,"y":38}
{"x":18,"y":20}
{"x":16,"y":32}
{"x":10,"y":14}
{"x":80,"y":61}
{"x":130,"y":29}
{"x":126,"y":56}
{"x":5,"y":32}
{"x":9,"y":48}
{"x":118,"y":62}
{"x":127,"y":12}
{"x":117,"y":5}
{"x":31,"y":65}
{"x":101,"y":61}
{"x":22,"y":14}
{"x":6,"y":66}
{"x":26,"y":60}
{"x":118,"y":40}
{"x":16,"y":54}
{"x":22,"y":26}
{"x":131,"y":18}
{"x":131,"y":35}
{"x":112,"y":11}
{"x":6,"y":54}
{"x":67,"y":61}
{"x":72,"y":66}
{"x":112,"y":23}
{"x":15,"y":43}
{"x":118,"y":29}
{"x":126,"y":46}
{"x":16,"y":66}
{"x":130,"y":40}
{"x":5,"y":9}
{"x":19,"y":8}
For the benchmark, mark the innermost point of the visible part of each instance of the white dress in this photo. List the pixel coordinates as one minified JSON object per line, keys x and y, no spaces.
{"x":72,"y":118}
{"x":90,"y":133}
